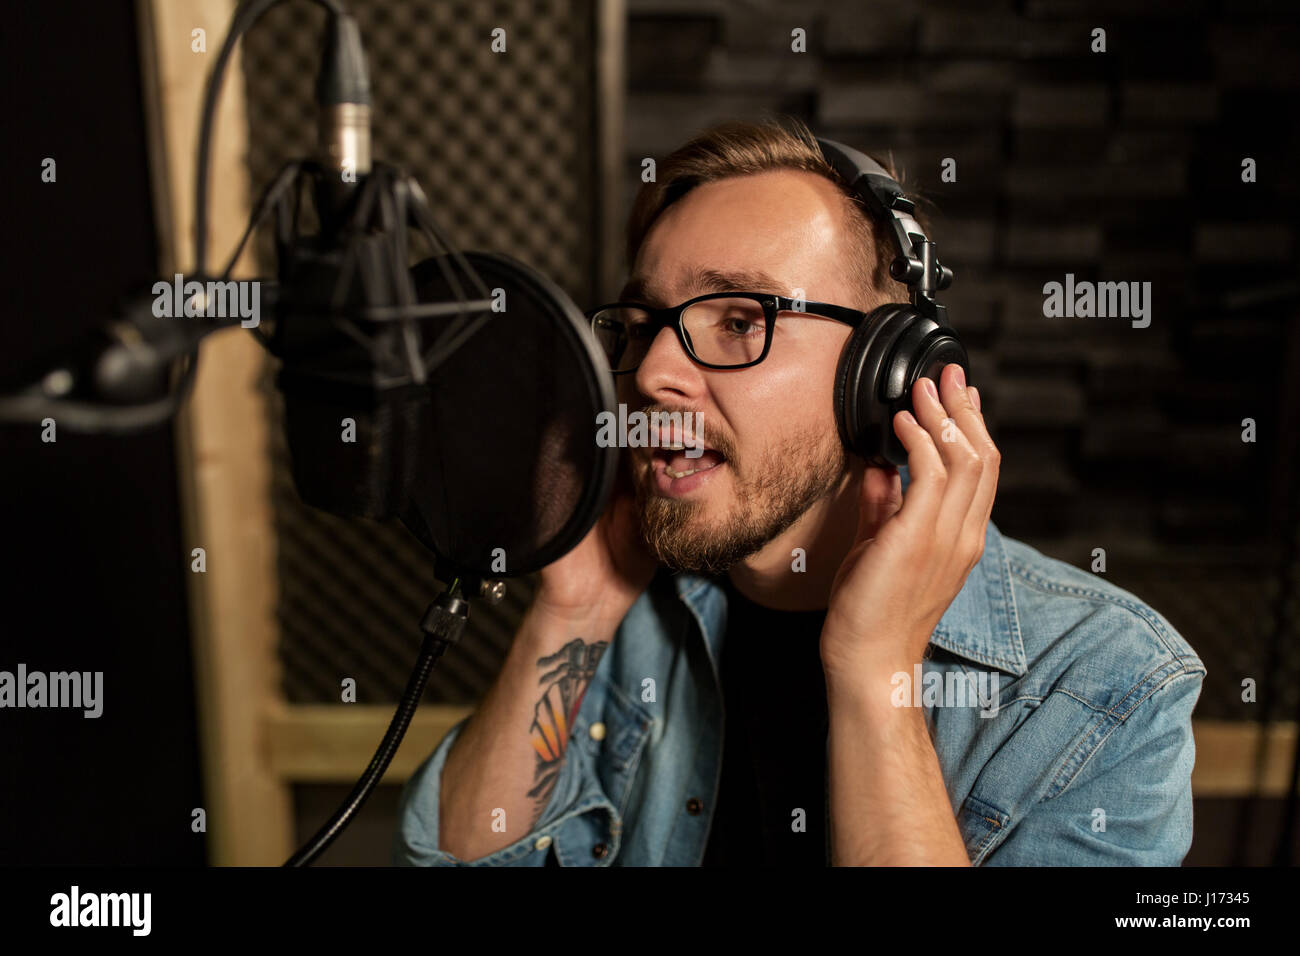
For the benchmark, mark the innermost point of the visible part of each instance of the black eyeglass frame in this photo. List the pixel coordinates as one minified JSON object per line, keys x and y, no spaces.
{"x":772,"y":305}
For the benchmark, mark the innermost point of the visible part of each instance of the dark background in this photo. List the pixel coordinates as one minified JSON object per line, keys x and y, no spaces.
{"x":1120,"y":166}
{"x":91,"y":528}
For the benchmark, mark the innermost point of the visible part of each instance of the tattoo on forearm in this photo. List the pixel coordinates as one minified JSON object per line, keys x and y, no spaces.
{"x":565,"y":675}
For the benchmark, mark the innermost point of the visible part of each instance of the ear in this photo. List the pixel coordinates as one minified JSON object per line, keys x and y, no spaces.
{"x":880,"y":497}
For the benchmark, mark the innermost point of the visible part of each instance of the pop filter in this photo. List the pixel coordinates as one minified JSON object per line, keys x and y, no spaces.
{"x":507,"y":475}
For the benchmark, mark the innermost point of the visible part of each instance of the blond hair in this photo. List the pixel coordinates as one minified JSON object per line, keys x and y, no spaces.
{"x":740,"y":148}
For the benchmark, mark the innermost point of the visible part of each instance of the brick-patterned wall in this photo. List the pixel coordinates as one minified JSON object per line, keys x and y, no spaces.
{"x":1115,"y":166}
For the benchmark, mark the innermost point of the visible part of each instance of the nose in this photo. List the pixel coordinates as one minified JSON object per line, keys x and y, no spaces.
{"x":667,"y":372}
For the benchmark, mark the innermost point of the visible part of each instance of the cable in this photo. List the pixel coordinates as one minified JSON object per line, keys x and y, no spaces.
{"x":271,"y":197}
{"x":443,"y":622}
{"x":245,"y":17}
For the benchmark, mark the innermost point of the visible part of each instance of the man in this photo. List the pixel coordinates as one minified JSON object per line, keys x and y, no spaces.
{"x":849,"y":665}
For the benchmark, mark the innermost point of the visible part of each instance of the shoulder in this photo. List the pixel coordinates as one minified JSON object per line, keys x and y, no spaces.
{"x":1090,"y":638}
{"x":1099,"y":719}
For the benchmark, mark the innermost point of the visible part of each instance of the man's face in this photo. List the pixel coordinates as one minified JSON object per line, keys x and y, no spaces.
{"x":773,"y":449}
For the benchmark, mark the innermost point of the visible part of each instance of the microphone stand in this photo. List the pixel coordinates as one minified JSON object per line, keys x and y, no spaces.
{"x":442,"y":625}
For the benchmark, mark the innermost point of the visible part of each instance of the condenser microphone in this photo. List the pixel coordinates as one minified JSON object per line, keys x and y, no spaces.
{"x":354,"y":352}
{"x":343,"y":102}
{"x":462,"y":406}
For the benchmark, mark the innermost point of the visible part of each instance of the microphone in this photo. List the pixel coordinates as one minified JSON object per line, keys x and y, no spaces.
{"x":359,"y":348}
{"x":350,"y":414}
{"x":380,"y":421}
{"x":343,"y":98}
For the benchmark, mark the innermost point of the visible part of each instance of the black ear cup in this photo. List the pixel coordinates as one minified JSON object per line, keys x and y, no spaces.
{"x":883,"y":358}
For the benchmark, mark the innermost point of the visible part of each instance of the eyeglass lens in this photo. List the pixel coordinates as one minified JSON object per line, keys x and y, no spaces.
{"x":726,"y":332}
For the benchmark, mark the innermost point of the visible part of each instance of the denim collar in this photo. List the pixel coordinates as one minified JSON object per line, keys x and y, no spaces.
{"x":981,"y":625}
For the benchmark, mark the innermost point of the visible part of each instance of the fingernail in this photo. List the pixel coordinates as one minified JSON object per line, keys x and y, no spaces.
{"x":960,"y":376}
{"x":907,"y":417}
{"x":975,"y":397}
{"x":928,"y":385}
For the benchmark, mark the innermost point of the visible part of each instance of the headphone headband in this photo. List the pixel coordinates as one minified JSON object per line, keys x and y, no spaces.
{"x":898,"y":343}
{"x":915,"y":263}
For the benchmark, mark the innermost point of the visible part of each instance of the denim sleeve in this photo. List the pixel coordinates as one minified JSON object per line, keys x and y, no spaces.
{"x":417,"y":841}
{"x":1130,"y":804}
{"x":577,"y":813}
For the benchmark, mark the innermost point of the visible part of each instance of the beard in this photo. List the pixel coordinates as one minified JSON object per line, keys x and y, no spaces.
{"x":769,"y":496}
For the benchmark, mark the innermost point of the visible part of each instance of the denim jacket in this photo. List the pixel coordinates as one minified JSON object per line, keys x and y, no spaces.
{"x":1085,"y":759}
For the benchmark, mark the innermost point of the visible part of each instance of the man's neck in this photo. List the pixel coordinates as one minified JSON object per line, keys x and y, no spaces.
{"x":778,"y":578}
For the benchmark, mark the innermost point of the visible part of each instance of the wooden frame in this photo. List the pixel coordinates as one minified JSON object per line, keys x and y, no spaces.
{"x":327,"y":744}
{"x":223,"y":469}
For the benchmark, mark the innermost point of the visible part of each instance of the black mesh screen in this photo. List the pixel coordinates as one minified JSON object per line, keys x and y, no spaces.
{"x":508,"y":477}
{"x":503,"y":145}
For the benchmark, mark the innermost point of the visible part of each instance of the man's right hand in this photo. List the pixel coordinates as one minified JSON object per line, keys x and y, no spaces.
{"x":595,"y":584}
{"x":494,"y":766}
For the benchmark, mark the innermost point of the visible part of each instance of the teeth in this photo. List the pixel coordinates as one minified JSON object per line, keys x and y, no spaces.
{"x":668,"y":470}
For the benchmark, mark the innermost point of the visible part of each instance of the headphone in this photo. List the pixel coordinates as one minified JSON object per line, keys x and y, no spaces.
{"x":898,"y":343}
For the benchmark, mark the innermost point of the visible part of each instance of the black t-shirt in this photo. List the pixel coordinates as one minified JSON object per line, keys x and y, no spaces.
{"x":774,"y":739}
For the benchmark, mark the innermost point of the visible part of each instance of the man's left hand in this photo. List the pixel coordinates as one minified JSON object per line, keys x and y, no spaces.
{"x":912,"y":554}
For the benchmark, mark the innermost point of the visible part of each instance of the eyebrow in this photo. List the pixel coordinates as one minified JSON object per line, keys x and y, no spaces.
{"x":699,"y":281}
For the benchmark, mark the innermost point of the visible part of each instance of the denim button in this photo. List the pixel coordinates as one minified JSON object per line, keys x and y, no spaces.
{"x":597,"y":731}
{"x":599,"y":851}
{"x":542,"y":843}
{"x":694,"y":805}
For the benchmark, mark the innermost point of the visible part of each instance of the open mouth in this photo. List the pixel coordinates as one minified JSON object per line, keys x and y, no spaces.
{"x":679,"y":459}
{"x":676,"y":464}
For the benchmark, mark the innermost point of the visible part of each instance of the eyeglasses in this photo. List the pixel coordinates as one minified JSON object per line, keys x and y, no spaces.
{"x":718,"y":330}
